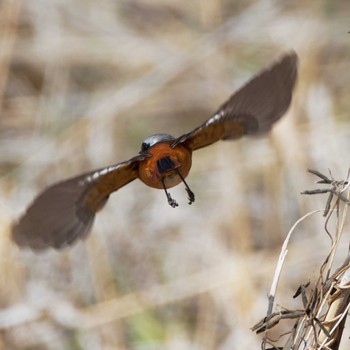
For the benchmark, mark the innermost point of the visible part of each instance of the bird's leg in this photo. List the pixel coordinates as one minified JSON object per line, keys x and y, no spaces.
{"x":172,"y":202}
{"x":191,"y":196}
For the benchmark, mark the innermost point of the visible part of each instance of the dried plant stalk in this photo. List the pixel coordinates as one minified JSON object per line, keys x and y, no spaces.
{"x":320,"y":323}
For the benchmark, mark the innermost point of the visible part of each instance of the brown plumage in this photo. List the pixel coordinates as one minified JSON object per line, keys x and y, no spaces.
{"x":64,"y":212}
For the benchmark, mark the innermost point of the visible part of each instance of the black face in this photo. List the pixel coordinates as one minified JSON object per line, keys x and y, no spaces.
{"x":154,"y":139}
{"x":165,"y":164}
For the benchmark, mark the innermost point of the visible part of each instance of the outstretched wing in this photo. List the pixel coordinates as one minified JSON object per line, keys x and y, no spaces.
{"x":65,"y":211}
{"x":252,"y":110}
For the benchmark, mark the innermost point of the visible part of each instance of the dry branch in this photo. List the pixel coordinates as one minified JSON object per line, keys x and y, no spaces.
{"x":321,"y":321}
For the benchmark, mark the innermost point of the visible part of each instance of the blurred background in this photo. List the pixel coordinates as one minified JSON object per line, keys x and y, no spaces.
{"x":82,"y":83}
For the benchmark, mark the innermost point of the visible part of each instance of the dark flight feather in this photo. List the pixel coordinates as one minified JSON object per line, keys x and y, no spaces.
{"x":251,"y":110}
{"x":65,"y":211}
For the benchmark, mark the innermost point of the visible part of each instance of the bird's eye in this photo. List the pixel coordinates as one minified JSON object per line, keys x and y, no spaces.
{"x":144,"y":146}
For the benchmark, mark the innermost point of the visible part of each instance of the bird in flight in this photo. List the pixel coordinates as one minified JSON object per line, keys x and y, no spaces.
{"x":64,"y":212}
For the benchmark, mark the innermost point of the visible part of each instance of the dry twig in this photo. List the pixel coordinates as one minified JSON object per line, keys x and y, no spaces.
{"x":321,"y":321}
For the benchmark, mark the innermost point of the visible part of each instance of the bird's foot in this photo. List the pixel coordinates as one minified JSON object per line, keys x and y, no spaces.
{"x":172,"y":202}
{"x":191,"y":196}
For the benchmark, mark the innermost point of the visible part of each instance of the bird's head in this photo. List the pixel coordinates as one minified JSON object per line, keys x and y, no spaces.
{"x":153,"y":140}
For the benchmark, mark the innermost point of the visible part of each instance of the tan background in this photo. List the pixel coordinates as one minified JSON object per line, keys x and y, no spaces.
{"x":82,"y":83}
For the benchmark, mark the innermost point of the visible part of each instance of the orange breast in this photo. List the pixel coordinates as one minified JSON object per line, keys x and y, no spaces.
{"x":151,"y":173}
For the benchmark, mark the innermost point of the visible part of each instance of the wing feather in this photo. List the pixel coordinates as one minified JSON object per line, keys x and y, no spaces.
{"x":251,"y":110}
{"x":65,"y":211}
